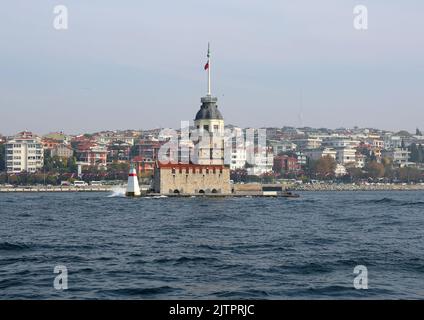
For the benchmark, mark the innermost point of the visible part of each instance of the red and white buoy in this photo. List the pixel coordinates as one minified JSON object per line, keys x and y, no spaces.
{"x":133,"y":189}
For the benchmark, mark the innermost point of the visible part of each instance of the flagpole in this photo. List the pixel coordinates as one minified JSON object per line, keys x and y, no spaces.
{"x":209,"y":70}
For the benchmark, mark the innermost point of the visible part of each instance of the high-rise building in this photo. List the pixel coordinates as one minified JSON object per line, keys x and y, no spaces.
{"x":24,"y":153}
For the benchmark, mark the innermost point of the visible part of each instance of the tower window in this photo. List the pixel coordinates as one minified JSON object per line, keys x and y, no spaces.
{"x":206,"y":127}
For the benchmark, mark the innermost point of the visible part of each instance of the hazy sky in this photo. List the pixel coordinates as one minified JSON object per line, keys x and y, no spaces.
{"x":139,"y":64}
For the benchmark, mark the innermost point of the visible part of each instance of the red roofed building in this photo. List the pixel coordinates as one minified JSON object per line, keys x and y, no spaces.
{"x":91,"y":154}
{"x":285,"y":164}
{"x":143,"y":165}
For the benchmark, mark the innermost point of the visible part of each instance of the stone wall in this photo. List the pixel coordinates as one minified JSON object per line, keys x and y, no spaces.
{"x":192,"y":180}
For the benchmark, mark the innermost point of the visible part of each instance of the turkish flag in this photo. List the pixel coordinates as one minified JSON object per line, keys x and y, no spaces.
{"x":207,"y":66}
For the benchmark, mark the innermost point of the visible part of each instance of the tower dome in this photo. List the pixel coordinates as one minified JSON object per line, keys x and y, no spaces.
{"x":209,"y":109}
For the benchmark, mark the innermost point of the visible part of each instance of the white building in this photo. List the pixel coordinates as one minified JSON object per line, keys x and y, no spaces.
{"x":391,"y":142}
{"x":340,"y":170}
{"x":346,"y":155}
{"x":282,"y":146}
{"x":400,"y":156}
{"x":317,"y":154}
{"x":24,"y":152}
{"x":342,"y":143}
{"x":235,"y":150}
{"x":238,"y":157}
{"x":301,"y":158}
{"x":360,"y":161}
{"x":308,"y":143}
{"x":261,"y":162}
{"x":377,"y":143}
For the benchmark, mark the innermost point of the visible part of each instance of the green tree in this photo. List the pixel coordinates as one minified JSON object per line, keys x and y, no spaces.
{"x":417,"y":153}
{"x":410,"y":174}
{"x":54,"y":164}
{"x":355,"y":173}
{"x":372,"y":157}
{"x":72,"y":165}
{"x":324,"y":167}
{"x":375,"y":170}
{"x":404,"y":134}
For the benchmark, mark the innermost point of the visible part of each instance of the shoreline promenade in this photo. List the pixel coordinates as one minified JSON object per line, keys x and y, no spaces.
{"x":254,"y":188}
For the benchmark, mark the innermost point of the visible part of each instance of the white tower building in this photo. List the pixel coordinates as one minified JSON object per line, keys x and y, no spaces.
{"x":133,"y":188}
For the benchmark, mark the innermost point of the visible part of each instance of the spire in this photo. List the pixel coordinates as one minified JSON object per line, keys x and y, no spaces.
{"x":209,"y":70}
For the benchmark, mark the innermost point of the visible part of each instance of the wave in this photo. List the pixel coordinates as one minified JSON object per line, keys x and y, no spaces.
{"x":183,"y":260}
{"x":8,"y":246}
{"x":156,"y":197}
{"x":140,"y":291}
{"x":253,"y":293}
{"x":309,"y":268}
{"x":117,"y":192}
{"x":384,"y":200}
{"x":396,"y":202}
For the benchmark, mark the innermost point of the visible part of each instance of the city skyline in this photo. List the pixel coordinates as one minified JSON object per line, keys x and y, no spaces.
{"x":274,"y":65}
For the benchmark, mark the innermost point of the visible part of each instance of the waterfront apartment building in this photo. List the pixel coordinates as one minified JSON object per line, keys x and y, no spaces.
{"x":342,"y":143}
{"x":286,"y":164}
{"x":308,"y":143}
{"x":91,"y":154}
{"x":238,"y":154}
{"x":282,"y":146}
{"x":400,"y":156}
{"x":317,"y":154}
{"x":392,"y":142}
{"x":260,"y":161}
{"x":360,"y":160}
{"x":346,"y":155}
{"x":62,"y":150}
{"x":238,"y":157}
{"x":24,"y":153}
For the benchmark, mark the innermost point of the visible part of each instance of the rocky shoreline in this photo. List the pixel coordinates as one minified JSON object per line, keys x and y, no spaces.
{"x":356,"y":187}
{"x":240,"y":188}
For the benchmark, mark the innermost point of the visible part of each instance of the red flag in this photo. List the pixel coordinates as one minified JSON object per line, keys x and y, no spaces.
{"x":207,"y":66}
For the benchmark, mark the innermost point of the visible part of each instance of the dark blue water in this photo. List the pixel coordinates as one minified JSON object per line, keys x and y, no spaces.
{"x":119,"y":248}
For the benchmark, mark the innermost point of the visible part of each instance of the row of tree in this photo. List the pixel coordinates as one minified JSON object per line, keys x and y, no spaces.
{"x":324,"y":169}
{"x":417,"y":153}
